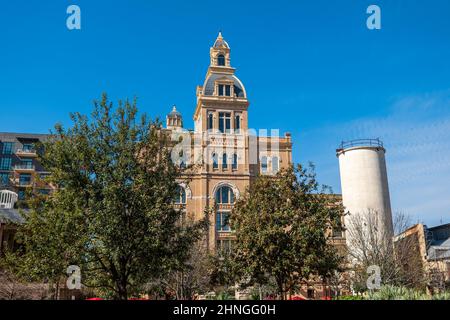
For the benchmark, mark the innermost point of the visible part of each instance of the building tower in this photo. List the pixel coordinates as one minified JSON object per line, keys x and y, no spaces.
{"x":225,"y":157}
{"x":364,"y":183}
{"x":220,"y":123}
{"x":222,"y":91}
{"x":174,"y":119}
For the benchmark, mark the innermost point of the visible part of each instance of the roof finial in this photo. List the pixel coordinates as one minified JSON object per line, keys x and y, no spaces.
{"x":220,"y":42}
{"x":174,"y":108}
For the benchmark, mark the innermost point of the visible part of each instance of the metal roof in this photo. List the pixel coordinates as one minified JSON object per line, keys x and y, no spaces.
{"x":439,"y":242}
{"x":208,"y":88}
{"x":17,"y":136}
{"x":174,"y":113}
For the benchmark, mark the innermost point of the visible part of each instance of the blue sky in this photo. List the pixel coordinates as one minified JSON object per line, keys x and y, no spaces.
{"x":309,"y":67}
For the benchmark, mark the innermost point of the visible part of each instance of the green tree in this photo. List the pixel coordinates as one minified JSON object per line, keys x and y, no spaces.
{"x":282,"y":226}
{"x":112,"y":213}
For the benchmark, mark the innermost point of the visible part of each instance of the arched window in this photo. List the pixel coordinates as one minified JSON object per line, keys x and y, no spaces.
{"x":224,"y":195}
{"x":224,"y":122}
{"x":234,"y":164}
{"x":221,"y":60}
{"x":180,"y":196}
{"x":214,"y":161}
{"x":275,"y":164}
{"x":210,"y":121}
{"x":224,"y":161}
{"x":182,"y":163}
{"x":264,"y":164}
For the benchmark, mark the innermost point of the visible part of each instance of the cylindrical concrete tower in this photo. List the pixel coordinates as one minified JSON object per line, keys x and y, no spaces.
{"x":364,"y":183}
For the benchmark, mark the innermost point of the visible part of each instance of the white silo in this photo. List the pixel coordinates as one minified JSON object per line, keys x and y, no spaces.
{"x":364,"y":184}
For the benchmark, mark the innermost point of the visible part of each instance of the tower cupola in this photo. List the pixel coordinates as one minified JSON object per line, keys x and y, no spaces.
{"x":174,"y":119}
{"x":220,"y":53}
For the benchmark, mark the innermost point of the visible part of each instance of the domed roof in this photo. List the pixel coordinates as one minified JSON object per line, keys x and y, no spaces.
{"x":174,"y":113}
{"x":220,"y":42}
{"x":208,"y":87}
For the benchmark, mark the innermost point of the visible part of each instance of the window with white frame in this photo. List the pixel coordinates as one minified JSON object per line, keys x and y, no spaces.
{"x":234,"y":163}
{"x":215,"y":161}
{"x":222,"y":221}
{"x":224,"y":195}
{"x":224,"y":90}
{"x":210,"y":121}
{"x":237,"y":123}
{"x":221,"y":60}
{"x":27,"y":147}
{"x":224,"y":246}
{"x":264,"y":164}
{"x":275,"y":164}
{"x":224,"y":161}
{"x":224,"y":122}
{"x":180,"y":196}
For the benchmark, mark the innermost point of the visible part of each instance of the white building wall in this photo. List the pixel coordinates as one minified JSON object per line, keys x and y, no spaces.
{"x":364,"y":184}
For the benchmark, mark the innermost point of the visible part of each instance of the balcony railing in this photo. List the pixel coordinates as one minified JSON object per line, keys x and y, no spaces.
{"x":26,"y":152}
{"x":224,"y":206}
{"x":21,"y":183}
{"x":25,"y":183}
{"x":24,"y":167}
{"x":179,"y":206}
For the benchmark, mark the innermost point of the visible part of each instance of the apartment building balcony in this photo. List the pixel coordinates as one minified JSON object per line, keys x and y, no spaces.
{"x":17,"y":182}
{"x":24,"y":168}
{"x":26,"y":153}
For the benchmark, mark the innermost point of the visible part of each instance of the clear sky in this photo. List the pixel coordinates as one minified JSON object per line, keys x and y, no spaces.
{"x":309,"y":67}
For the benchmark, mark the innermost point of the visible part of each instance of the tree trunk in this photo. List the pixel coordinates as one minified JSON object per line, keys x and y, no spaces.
{"x":57,"y":290}
{"x":280,"y":289}
{"x":122,"y":294}
{"x":122,"y":291}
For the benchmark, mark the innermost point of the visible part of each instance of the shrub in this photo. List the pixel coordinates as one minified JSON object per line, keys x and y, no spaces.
{"x":441,"y":296}
{"x":349,"y":298}
{"x":397,"y":293}
{"x":224,"y":295}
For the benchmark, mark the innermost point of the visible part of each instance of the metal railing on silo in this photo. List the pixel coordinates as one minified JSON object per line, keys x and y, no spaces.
{"x":361,"y":143}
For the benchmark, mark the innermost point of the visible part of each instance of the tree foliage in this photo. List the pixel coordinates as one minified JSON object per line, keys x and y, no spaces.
{"x":282,"y":226}
{"x":112,"y":211}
